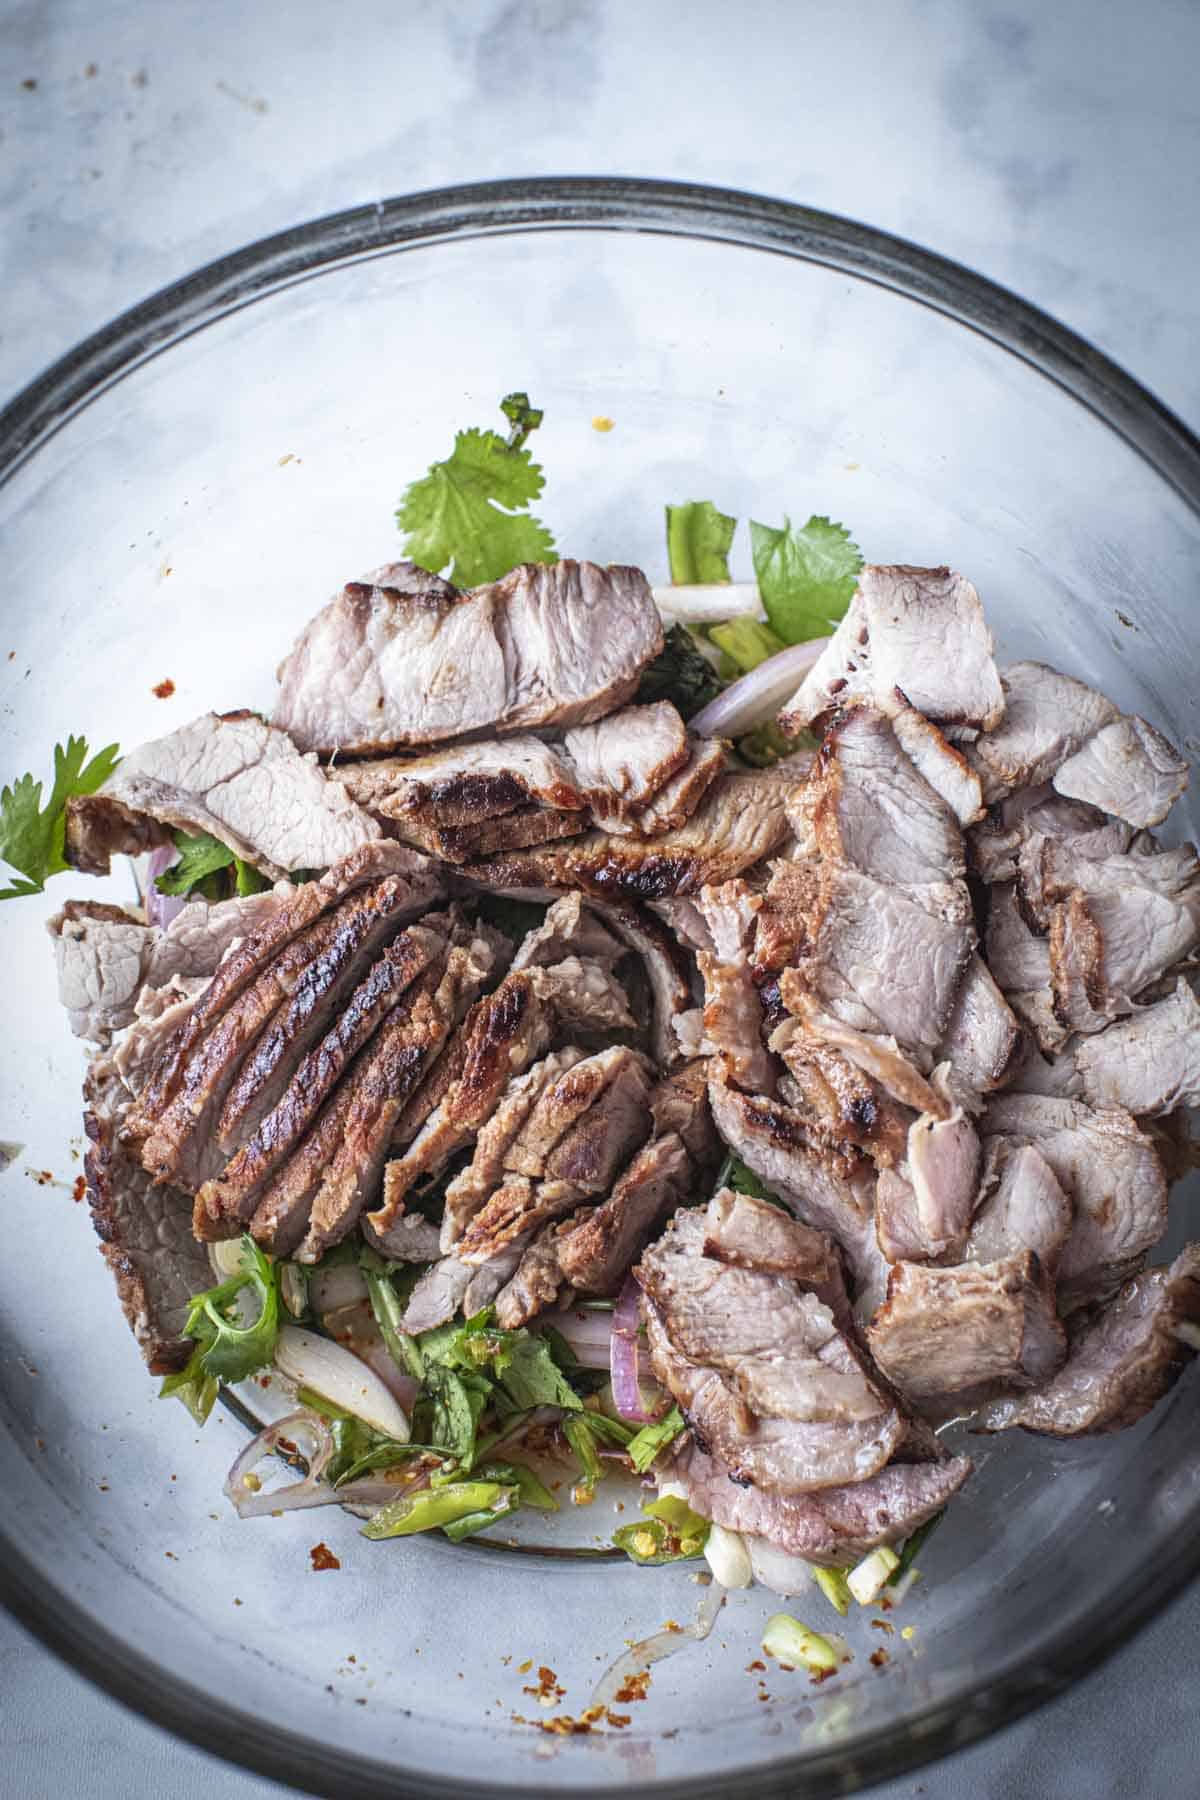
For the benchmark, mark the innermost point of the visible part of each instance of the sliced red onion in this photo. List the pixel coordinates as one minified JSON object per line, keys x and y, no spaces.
{"x":708,"y":603}
{"x":758,"y":696}
{"x":623,"y":1356}
{"x":311,"y":1436}
{"x":161,"y":908}
{"x":338,"y":1375}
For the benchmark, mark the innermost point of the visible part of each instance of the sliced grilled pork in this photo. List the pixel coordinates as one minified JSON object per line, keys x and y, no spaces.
{"x":403,"y":658}
{"x":237,"y":971}
{"x":158,"y":1014}
{"x":679,"y":1103}
{"x":876,"y":958}
{"x":665,"y":965}
{"x":946,"y":1334}
{"x":464,"y":783}
{"x":752,"y":1234}
{"x":595,"y":1252}
{"x":1047,"y":717}
{"x":105,"y":957}
{"x":995,"y":844}
{"x":741,"y":819}
{"x":983,"y":1040}
{"x":864,"y":804}
{"x":841,"y":1102}
{"x":1111,"y":1172}
{"x":880,"y":1058}
{"x":1150,"y":1063}
{"x":1020,"y":963}
{"x":760,"y":1369}
{"x":562,"y":1103}
{"x":144,"y":1230}
{"x":234,"y":1193}
{"x":923,"y":1211}
{"x":675,"y":802}
{"x":517,"y":830}
{"x":569,"y":929}
{"x":919,"y":630}
{"x":1122,"y":1359}
{"x":621,"y":762}
{"x":485,"y":1172}
{"x":1022,"y":1207}
{"x":833,"y":1525}
{"x":228,"y":774}
{"x":943,"y":766}
{"x":1128,"y":770}
{"x":535,"y":1282}
{"x":584,"y":996}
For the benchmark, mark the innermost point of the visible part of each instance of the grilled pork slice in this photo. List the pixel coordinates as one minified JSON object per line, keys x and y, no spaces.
{"x":943,"y":766}
{"x":996,"y":843}
{"x":923,"y":1209}
{"x":741,"y":819}
{"x":665,"y":965}
{"x":1021,"y":1207}
{"x":1122,"y":1359}
{"x":562,"y":1103}
{"x":865,"y":804}
{"x":943,"y":1335}
{"x":828,"y":1185}
{"x":834,"y":1526}
{"x":535,"y":1282}
{"x":569,"y":929}
{"x":231,"y":775}
{"x":1111,"y":1172}
{"x":679,"y":1103}
{"x":840,"y":1101}
{"x":752,"y":1234}
{"x":1048,"y":716}
{"x":234,"y":1193}
{"x":983,"y":1040}
{"x":621,"y":762}
{"x":239,"y":969}
{"x":489,"y":837}
{"x":584,"y":996}
{"x":1150,"y":1063}
{"x":919,"y":630}
{"x":760,"y":1368}
{"x":464,"y":783}
{"x":594,"y":1252}
{"x":1020,"y":964}
{"x":675,"y":802}
{"x":1128,"y":770}
{"x":105,"y":957}
{"x":144,"y":1230}
{"x":880,"y":1058}
{"x":403,"y":658}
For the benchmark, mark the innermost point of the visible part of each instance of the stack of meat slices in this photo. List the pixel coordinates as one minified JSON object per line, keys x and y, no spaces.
{"x":932,"y":985}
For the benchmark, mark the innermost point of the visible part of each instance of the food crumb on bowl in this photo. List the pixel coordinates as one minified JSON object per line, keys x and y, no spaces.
{"x":162,"y":690}
{"x":323,"y":1557}
{"x":602,"y":423}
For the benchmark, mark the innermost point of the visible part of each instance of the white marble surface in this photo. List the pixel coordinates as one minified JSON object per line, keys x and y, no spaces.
{"x":1055,"y":148}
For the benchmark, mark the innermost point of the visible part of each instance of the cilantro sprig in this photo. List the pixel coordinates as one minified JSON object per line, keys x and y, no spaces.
{"x":806,"y":575}
{"x":469,"y":516}
{"x":226,"y":1348}
{"x":32,"y":835}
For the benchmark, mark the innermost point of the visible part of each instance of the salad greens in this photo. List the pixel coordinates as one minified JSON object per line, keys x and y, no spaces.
{"x":469,"y":516}
{"x":698,"y":542}
{"x":805,"y":576}
{"x":670,"y":1532}
{"x":651,"y":1440}
{"x":201,"y":858}
{"x":226,"y":1348}
{"x":680,"y":673}
{"x":32,"y":835}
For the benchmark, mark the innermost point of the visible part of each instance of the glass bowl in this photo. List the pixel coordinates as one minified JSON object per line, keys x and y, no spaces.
{"x":178,"y":496}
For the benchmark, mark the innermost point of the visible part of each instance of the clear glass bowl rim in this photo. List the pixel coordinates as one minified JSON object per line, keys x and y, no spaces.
{"x":673,"y":209}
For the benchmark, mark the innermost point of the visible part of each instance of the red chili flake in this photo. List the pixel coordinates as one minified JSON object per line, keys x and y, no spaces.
{"x":163,"y":689}
{"x":323,"y":1557}
{"x":879,"y":1659}
{"x":80,"y":1188}
{"x":756,"y":1667}
{"x":634,"y":1688}
{"x":883,"y":1625}
{"x":619,"y":1720}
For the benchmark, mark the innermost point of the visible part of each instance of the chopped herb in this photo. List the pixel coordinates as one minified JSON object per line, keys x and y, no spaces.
{"x":227,"y":1349}
{"x":200,"y":855}
{"x":744,"y":643}
{"x":680,"y":673}
{"x":805,"y":577}
{"x":794,"y":1645}
{"x":32,"y":835}
{"x":651,"y":1440}
{"x":388,"y":1309}
{"x":698,"y":542}
{"x":469,"y":515}
{"x":912,"y":1547}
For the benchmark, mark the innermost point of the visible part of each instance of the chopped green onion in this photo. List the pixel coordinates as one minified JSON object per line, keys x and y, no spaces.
{"x":868,"y":1578}
{"x":913,"y":1545}
{"x":651,"y":1440}
{"x":388,"y":1311}
{"x":794,"y":1645}
{"x":435,"y":1507}
{"x":834,"y":1586}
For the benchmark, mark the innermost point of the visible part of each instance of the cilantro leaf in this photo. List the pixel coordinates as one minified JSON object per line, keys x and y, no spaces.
{"x":469,"y":515}
{"x":734,"y":1174}
{"x":199,"y":856}
{"x":249,"y":881}
{"x":229,"y":1350}
{"x":698,"y":542}
{"x":680,"y":673}
{"x":32,"y":836}
{"x":805,"y":577}
{"x":193,"y":1385}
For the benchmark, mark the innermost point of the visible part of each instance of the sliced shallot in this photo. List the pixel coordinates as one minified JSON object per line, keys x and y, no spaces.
{"x":758,"y":696}
{"x":161,"y":908}
{"x":338,"y":1375}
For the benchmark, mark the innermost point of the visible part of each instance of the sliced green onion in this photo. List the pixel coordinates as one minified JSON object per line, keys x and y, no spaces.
{"x":834,"y":1586}
{"x":868,"y":1578}
{"x":915,"y":1543}
{"x":790,"y":1642}
{"x":435,"y":1507}
{"x":389,"y":1311}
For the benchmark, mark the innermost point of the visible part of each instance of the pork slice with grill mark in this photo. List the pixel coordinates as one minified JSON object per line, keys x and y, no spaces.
{"x":941,"y":763}
{"x":234,"y":1193}
{"x":563,"y":1102}
{"x":1149,"y":1063}
{"x":106,"y":956}
{"x":485,"y":1172}
{"x":827,"y":1184}
{"x":919,"y":630}
{"x":741,"y":819}
{"x":231,"y":775}
{"x":1129,"y":770}
{"x":1122,"y":1359}
{"x":943,"y":1335}
{"x":760,"y":1369}
{"x":583,"y":996}
{"x":569,"y":929}
{"x":1021,"y":1206}
{"x":752,"y":1234}
{"x":731,"y":1021}
{"x":866,"y":805}
{"x":1111,"y":1172}
{"x":983,"y":1041}
{"x":665,"y":965}
{"x":996,"y":843}
{"x":1020,"y":964}
{"x":534,"y":1283}
{"x":1048,"y":716}
{"x":834,"y":1525}
{"x":621,"y":762}
{"x":464,"y":783}
{"x":144,"y":1230}
{"x":679,"y":1103}
{"x":842,"y":1101}
{"x":158,"y":1015}
{"x":675,"y":802}
{"x":375,"y":862}
{"x":880,"y":1058}
{"x":594,"y":1252}
{"x":517,"y":830}
{"x":403,"y":658}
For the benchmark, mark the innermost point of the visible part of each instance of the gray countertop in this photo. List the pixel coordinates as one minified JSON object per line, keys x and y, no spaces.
{"x":1055,"y":149}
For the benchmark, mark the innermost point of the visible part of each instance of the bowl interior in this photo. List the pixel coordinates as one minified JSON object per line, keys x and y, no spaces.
{"x":183,"y":524}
